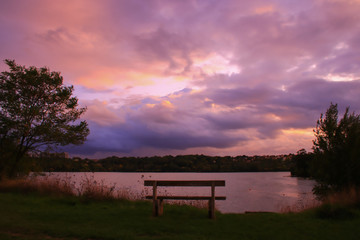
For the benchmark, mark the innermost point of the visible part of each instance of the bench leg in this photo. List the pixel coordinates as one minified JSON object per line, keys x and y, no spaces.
{"x":211,"y":209}
{"x":158,"y":207}
{"x":155,"y":201}
{"x":155,"y":208}
{"x":212,"y":202}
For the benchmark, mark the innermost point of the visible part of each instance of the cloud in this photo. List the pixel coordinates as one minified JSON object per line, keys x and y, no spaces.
{"x":225,"y":77}
{"x":172,"y":123}
{"x":102,"y":114}
{"x":134,"y":135}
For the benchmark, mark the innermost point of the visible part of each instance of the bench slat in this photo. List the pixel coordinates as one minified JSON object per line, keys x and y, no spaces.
{"x":187,"y":183}
{"x":187,"y":197}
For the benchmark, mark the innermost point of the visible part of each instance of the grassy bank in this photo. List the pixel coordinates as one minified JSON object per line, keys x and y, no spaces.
{"x":33,"y":216}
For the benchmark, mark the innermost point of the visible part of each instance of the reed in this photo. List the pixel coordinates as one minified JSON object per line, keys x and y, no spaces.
{"x":87,"y":190}
{"x":347,"y":197}
{"x":194,"y":203}
{"x":340,"y":205}
{"x":43,"y":186}
{"x":301,"y":206}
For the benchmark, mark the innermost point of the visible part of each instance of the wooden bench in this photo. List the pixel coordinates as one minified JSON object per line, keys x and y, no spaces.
{"x":158,"y":200}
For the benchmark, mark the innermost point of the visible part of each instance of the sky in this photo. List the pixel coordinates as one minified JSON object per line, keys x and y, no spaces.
{"x":170,"y":77}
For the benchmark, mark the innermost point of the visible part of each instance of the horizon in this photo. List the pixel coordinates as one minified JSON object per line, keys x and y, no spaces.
{"x":153,"y":156}
{"x":219,"y":78}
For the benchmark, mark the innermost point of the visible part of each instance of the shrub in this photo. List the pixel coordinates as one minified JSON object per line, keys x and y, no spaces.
{"x":340,"y":204}
{"x":336,"y":151}
{"x":334,"y":211}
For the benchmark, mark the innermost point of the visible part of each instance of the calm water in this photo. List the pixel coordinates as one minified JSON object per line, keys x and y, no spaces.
{"x":270,"y":191}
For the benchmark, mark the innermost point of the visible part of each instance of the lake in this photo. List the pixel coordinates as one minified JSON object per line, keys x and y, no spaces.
{"x":259,"y":191}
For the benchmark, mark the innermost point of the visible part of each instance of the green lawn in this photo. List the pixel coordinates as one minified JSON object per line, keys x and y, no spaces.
{"x":41,"y":217}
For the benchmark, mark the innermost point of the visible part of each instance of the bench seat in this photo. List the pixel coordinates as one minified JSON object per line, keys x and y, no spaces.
{"x":185,"y":183}
{"x":187,"y":197}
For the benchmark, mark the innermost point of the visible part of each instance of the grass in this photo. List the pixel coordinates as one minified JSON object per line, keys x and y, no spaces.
{"x":36,"y":215}
{"x":88,"y":190}
{"x":31,"y":216}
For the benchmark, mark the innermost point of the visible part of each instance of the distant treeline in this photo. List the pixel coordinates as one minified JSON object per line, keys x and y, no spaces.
{"x":181,"y":163}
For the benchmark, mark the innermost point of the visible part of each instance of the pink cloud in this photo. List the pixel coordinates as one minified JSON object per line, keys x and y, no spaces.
{"x":193,"y":76}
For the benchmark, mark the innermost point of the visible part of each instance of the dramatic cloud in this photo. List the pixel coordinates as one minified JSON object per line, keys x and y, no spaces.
{"x":177,"y":77}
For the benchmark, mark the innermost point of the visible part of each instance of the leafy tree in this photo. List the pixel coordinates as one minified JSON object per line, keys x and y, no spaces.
{"x":302,"y":164}
{"x":337,"y":151}
{"x":36,"y":112}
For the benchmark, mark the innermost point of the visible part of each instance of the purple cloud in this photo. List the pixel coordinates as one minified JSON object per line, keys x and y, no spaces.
{"x":236,"y":77}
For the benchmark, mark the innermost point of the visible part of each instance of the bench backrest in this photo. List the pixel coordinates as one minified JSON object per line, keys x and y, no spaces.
{"x":185,"y":183}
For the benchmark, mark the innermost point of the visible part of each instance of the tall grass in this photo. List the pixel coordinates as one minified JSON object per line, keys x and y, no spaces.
{"x":340,"y":205}
{"x":301,"y":206}
{"x":347,"y":197}
{"x":87,"y":189}
{"x":43,"y":186}
{"x":334,"y":205}
{"x":91,"y":189}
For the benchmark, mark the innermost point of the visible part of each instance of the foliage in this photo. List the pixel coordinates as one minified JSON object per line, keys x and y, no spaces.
{"x":334,"y":211}
{"x":337,"y":151}
{"x":302,"y":164}
{"x":36,"y":111}
{"x":180,"y":163}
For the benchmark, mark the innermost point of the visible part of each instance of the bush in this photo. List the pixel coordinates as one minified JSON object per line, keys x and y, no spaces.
{"x":336,"y":151}
{"x":339,"y":205}
{"x":334,"y":211}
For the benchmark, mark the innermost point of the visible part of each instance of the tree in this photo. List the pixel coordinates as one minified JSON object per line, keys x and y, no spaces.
{"x":302,"y":164}
{"x":337,"y":151}
{"x":36,"y":112}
